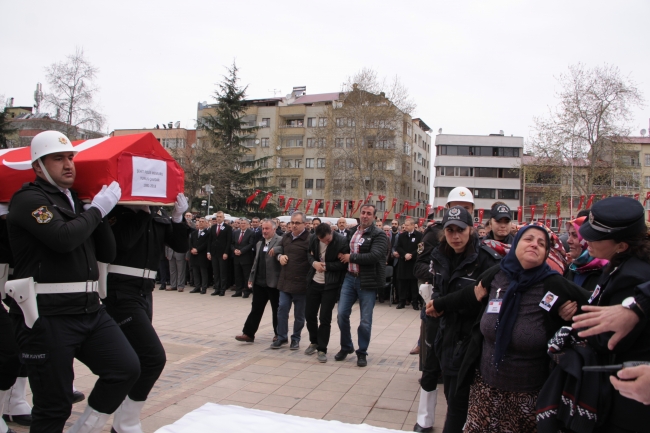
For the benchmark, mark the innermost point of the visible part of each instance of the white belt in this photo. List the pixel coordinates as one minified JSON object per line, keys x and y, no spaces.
{"x":11,"y":271}
{"x":132,"y":272}
{"x":57,"y":288}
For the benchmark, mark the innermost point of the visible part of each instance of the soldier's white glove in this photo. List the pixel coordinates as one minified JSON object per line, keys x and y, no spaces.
{"x":107,"y":198}
{"x":4,"y":208}
{"x":180,"y":206}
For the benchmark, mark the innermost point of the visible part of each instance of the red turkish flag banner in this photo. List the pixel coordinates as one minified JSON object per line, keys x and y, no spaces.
{"x":636,"y":197}
{"x":345,"y":208}
{"x":559,"y":224}
{"x":266,"y":200}
{"x":411,"y":207}
{"x":548,"y":223}
{"x":297,"y":204}
{"x":558,"y":208}
{"x":281,"y":200}
{"x":316,"y":206}
{"x":252,"y":196}
{"x":603,"y":197}
{"x":532,"y":212}
{"x":427,"y":211}
{"x":146,"y":172}
{"x":334,"y":205}
{"x":327,"y":208}
{"x":385,"y":216}
{"x":421,"y":222}
{"x":582,"y":201}
{"x":519,"y":214}
{"x":440,"y":208}
{"x":392,"y":205}
{"x":286,"y":208}
{"x":308,"y":206}
{"x":591,"y":201}
{"x":397,"y":215}
{"x":405,"y":206}
{"x":369,"y":197}
{"x":382,"y":197}
{"x":545,"y":209}
{"x":480,"y":215}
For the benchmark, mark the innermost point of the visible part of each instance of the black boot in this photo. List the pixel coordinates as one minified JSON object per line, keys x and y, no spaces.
{"x":195,"y":290}
{"x":400,"y":306}
{"x":246,"y":294}
{"x":236,"y":294}
{"x":203,"y":291}
{"x":163,"y":286}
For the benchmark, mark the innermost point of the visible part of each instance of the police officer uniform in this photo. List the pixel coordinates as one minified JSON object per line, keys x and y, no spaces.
{"x":141,"y":233}
{"x":9,"y":361}
{"x":57,"y":243}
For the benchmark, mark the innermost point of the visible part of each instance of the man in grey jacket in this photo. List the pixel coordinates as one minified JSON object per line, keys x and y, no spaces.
{"x":263,"y":280}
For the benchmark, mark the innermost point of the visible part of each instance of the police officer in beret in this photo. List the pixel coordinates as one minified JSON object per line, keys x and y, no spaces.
{"x":57,"y":241}
{"x":616,"y":231}
{"x":141,"y":233}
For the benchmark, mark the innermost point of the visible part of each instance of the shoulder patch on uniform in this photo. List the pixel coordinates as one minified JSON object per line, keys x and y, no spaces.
{"x":42,"y":215}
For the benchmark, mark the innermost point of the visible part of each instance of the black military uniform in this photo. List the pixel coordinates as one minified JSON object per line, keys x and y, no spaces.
{"x":140,"y":239}
{"x":54,"y":242}
{"x":9,"y":361}
{"x":407,"y":243}
{"x":199,"y":262}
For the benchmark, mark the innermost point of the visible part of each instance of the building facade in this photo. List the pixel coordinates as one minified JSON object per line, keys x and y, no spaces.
{"x":323,"y":147}
{"x":170,"y":138}
{"x":489,"y":165}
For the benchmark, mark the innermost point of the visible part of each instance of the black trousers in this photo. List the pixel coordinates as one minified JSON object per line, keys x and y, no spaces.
{"x":408,"y":290}
{"x":262,"y":295}
{"x":242,"y":272}
{"x":9,"y":359}
{"x":163,"y":271}
{"x":457,"y":403}
{"x":200,"y":273}
{"x":431,"y":370}
{"x":319,"y":298}
{"x":220,"y":272}
{"x":133,"y":313}
{"x":49,"y":348}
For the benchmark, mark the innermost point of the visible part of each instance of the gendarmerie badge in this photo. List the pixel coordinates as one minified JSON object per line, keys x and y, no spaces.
{"x":42,"y":215}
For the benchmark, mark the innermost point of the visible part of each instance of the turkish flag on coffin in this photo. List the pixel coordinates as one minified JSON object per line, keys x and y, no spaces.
{"x":146,"y":172}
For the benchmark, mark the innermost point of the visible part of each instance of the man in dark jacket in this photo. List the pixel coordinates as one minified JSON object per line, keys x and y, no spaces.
{"x":292,"y":282}
{"x":198,"y":256}
{"x":341,"y":225}
{"x":242,"y":253}
{"x":407,"y":248}
{"x":366,"y":273}
{"x":219,"y":240}
{"x":263,"y":280}
{"x":324,"y":280}
{"x":500,"y":218}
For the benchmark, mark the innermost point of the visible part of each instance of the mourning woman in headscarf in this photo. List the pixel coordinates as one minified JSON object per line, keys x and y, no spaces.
{"x":584,"y":270}
{"x":506,"y":362}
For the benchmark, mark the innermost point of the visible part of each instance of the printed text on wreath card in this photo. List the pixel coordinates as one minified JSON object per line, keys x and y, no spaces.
{"x":149,"y":177}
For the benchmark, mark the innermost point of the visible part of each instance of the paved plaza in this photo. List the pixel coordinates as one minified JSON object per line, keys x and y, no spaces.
{"x":206,"y":364}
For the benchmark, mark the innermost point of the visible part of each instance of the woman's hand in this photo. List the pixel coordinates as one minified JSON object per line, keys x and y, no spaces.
{"x":568,"y":310}
{"x":615,"y":318}
{"x":480,"y":292}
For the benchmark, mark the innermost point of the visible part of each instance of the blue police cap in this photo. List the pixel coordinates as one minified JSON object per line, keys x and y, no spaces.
{"x":616,"y":218}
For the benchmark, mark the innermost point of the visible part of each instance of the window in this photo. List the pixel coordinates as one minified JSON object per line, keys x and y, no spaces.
{"x":380,"y":205}
{"x":282,"y":182}
{"x":309,"y":163}
{"x":278,"y":162}
{"x":511,"y":194}
{"x":288,"y":163}
{"x":340,"y":122}
{"x":294,"y":182}
{"x":647,"y":159}
{"x":485,"y":172}
{"x":338,"y":142}
{"x":173,"y":143}
{"x":266,"y":122}
{"x":322,"y":121}
{"x":478,"y":151}
{"x":339,"y":163}
{"x":443,"y":191}
{"x":249,"y":142}
{"x":407,"y":149}
{"x":384,"y":144}
{"x":320,"y":183}
{"x":264,"y":163}
{"x":464,"y":171}
{"x":484,"y":193}
{"x":349,"y":163}
{"x":322,"y":142}
{"x":647,"y":181}
{"x":309,"y":183}
{"x":349,"y":142}
{"x":381,"y":185}
{"x":509,"y":173}
{"x":292,"y":142}
{"x":370,"y":144}
{"x":298,"y":163}
{"x":320,"y":163}
{"x":264,"y":142}
{"x":367,"y":184}
{"x":351,"y":123}
{"x":381,"y":165}
{"x":311,"y":142}
{"x":311,"y":122}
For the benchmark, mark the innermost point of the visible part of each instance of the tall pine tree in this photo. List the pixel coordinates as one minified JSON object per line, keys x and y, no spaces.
{"x":237,"y":172}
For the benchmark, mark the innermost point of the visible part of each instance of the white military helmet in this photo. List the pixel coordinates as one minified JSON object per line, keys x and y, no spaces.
{"x":49,"y":142}
{"x":460,"y":193}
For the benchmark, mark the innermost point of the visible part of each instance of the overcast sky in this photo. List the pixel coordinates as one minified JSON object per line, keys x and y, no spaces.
{"x":472,"y":67}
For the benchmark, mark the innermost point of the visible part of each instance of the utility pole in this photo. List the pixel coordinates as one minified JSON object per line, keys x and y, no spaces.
{"x":208,"y":189}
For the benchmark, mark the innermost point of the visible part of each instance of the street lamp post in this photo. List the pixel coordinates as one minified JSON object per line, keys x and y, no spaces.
{"x":208,"y":189}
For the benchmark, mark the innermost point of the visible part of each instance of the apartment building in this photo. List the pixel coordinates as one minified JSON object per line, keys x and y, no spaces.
{"x":320,"y":148}
{"x":489,"y":165}
{"x":171,"y":136}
